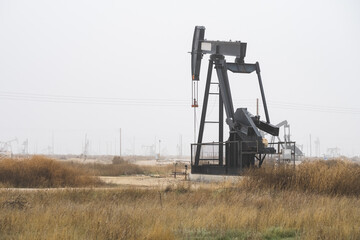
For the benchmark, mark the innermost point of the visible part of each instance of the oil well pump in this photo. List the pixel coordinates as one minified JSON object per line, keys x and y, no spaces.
{"x":287,"y":143}
{"x":245,"y":146}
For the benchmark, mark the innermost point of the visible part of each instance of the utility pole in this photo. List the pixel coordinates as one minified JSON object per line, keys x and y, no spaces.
{"x":181,"y":148}
{"x":310,"y":146}
{"x":52,"y":143}
{"x":26,"y":147}
{"x":159,"y":148}
{"x":120,"y":143}
{"x":99,"y":153}
{"x":317,"y":147}
{"x":134,"y":146}
{"x":86,"y":147}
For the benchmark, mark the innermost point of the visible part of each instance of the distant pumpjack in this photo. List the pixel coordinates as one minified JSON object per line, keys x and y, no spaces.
{"x":287,"y":143}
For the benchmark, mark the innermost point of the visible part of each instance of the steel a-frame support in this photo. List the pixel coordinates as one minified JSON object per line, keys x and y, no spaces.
{"x":203,"y":113}
{"x":225,"y":100}
{"x":262,"y":92}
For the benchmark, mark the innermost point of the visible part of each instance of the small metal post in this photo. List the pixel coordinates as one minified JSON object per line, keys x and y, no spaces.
{"x":175,"y":170}
{"x":294,"y":154}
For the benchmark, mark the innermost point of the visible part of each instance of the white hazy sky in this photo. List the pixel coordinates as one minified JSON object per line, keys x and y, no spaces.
{"x":75,"y":68}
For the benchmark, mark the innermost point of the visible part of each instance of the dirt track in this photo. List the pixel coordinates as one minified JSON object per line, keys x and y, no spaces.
{"x":142,"y":181}
{"x":117,"y":182}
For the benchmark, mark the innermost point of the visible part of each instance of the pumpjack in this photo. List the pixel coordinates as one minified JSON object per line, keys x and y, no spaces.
{"x":287,"y":143}
{"x":245,"y":144}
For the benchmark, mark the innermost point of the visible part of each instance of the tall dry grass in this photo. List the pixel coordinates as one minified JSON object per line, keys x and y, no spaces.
{"x":212,"y":213}
{"x":308,"y":202}
{"x":334,"y":177}
{"x":40,"y":171}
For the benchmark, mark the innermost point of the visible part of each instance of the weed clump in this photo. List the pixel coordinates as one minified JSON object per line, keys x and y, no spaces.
{"x":118,"y":160}
{"x":42,"y":172}
{"x":334,"y":177}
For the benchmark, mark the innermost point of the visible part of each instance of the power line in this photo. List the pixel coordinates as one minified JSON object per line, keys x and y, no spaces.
{"x":314,"y":108}
{"x":90,"y":100}
{"x":162,"y":102}
{"x":306,"y":107}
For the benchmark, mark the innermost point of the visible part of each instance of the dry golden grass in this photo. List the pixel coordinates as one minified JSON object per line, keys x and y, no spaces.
{"x":178,"y":213}
{"x":317,"y":200}
{"x":335,"y":177}
{"x":39,"y":171}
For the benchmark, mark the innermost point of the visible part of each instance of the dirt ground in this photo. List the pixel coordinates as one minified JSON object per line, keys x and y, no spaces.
{"x":194,"y":181}
{"x":143,"y":181}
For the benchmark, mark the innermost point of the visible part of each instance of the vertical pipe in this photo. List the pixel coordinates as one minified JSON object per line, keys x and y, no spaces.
{"x":194,"y":125}
{"x":194,"y":102}
{"x":191,"y":153}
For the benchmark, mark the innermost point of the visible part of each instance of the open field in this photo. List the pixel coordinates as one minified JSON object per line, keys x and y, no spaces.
{"x":177,"y":213}
{"x":317,"y":200}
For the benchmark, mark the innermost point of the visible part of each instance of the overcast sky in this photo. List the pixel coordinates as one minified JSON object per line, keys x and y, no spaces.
{"x":70,"y":69}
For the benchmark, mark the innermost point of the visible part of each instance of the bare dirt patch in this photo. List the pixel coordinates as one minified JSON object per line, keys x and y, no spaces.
{"x":142,"y":181}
